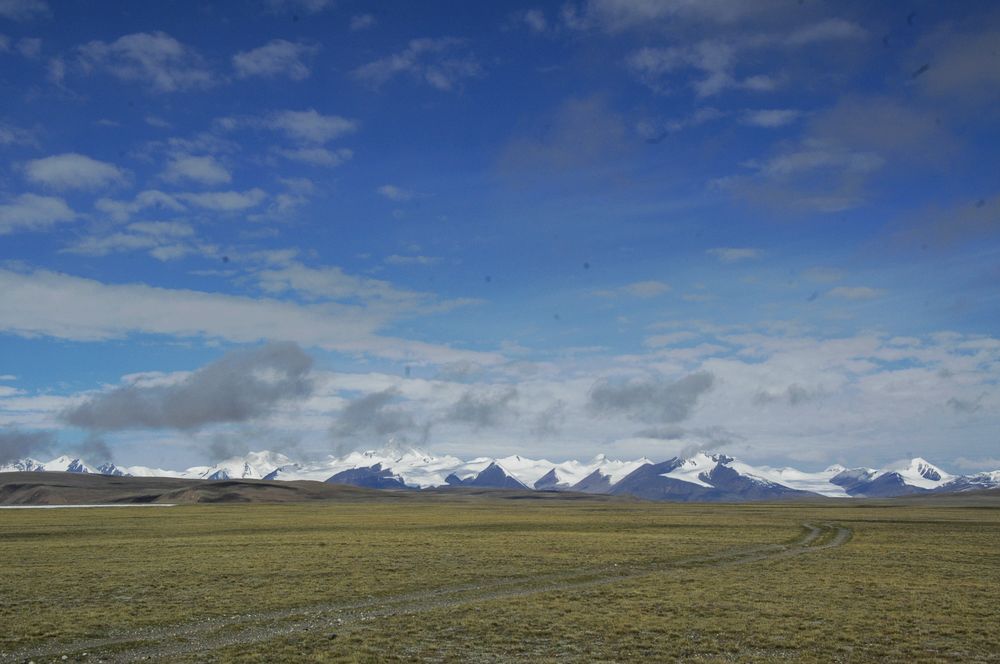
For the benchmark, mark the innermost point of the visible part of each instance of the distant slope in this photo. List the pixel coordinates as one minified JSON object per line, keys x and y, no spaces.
{"x":60,"y":488}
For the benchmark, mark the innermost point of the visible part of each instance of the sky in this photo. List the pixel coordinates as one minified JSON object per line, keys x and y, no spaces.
{"x":630,"y":227}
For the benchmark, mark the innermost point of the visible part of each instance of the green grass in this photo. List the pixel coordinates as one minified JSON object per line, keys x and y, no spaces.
{"x":914,"y":584}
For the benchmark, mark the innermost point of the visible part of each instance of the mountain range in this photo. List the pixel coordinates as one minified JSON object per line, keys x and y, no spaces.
{"x":700,"y":477}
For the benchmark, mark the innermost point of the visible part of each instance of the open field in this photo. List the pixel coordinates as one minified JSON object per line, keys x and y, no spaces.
{"x":477,"y":578}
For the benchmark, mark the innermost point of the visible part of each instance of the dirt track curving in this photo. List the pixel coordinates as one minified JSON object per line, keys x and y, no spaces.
{"x":203,"y":636}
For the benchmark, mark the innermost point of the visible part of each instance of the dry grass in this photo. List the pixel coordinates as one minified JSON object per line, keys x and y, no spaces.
{"x":916,"y":583}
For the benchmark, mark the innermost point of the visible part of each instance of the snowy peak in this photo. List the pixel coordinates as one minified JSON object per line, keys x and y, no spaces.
{"x":112,"y":470}
{"x":494,"y":476}
{"x":26,"y":465}
{"x":701,"y":476}
{"x":68,"y":464}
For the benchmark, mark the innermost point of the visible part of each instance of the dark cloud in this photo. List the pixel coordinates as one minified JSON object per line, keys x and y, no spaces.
{"x":705,"y":439}
{"x":483,"y":407}
{"x":17,"y":444}
{"x":228,"y":444}
{"x":793,"y":395}
{"x":373,"y":414}
{"x":650,"y":400}
{"x":241,"y":386}
{"x":966,"y":406}
{"x":93,"y":450}
{"x":662,"y":433}
{"x":581,"y":135}
{"x":549,"y":421}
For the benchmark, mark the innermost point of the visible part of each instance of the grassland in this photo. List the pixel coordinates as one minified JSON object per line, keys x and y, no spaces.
{"x":463,"y":579}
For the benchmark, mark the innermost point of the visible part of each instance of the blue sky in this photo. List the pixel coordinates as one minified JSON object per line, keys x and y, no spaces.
{"x":474,"y":219}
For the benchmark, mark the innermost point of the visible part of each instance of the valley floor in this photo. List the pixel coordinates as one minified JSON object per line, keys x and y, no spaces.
{"x":484,"y":579}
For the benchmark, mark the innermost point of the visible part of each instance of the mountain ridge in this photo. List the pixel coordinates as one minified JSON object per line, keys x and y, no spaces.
{"x":701,"y":476}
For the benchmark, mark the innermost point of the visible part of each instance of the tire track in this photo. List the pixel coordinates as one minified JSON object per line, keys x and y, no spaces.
{"x":145,"y":644}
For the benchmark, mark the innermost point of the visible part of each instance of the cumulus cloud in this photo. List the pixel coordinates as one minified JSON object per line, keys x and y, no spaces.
{"x":715,"y":61}
{"x":794,"y":395}
{"x":394,"y":193}
{"x":483,"y":407}
{"x":533,"y":19}
{"x":831,"y":29}
{"x":73,"y":171}
{"x":735,"y":254}
{"x":650,"y":400}
{"x":17,"y":444}
{"x":308,"y":127}
{"x":29,"y":47}
{"x":817,"y":174}
{"x":155,"y":59}
{"x":11,"y":135}
{"x":639,"y":289}
{"x":303,"y":6}
{"x":771,"y":118}
{"x":276,"y":58}
{"x":362,"y":22}
{"x":68,"y":307}
{"x":621,"y":15}
{"x":240,"y":386}
{"x":204,"y":169}
{"x":151,"y":199}
{"x":24,"y":10}
{"x":579,"y":134}
{"x":377,"y":413}
{"x":164,"y":240}
{"x":855,"y":292}
{"x":396,"y":259}
{"x":31,"y":212}
{"x":225,"y":201}
{"x":431,"y":61}
{"x":961,"y":71}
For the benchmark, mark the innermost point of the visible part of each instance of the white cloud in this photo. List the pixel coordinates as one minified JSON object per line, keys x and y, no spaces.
{"x":276,"y":58}
{"x":304,"y":6}
{"x":225,"y":201}
{"x":396,"y":259}
{"x":164,"y":240}
{"x":855,"y":292}
{"x":771,"y":118}
{"x":640,"y":289}
{"x":204,"y":169}
{"x":155,"y":59}
{"x":30,"y":212}
{"x":10,"y":135}
{"x":73,"y":171}
{"x":424,"y":60}
{"x":68,"y":307}
{"x":669,"y":339}
{"x":29,"y":47}
{"x":309,"y":126}
{"x":362,"y":22}
{"x":534,"y":19}
{"x":714,"y":59}
{"x":24,"y":10}
{"x":735,"y":254}
{"x":317,"y":155}
{"x":620,"y":15}
{"x":831,"y":29}
{"x":394,"y":193}
{"x":151,"y":198}
{"x":815,"y":155}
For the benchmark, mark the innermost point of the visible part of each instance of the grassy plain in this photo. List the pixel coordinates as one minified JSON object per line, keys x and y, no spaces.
{"x":915,"y":583}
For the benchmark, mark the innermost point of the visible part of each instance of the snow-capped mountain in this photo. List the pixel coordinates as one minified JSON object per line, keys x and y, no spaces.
{"x":26,"y":465}
{"x":68,"y":464}
{"x":702,"y":476}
